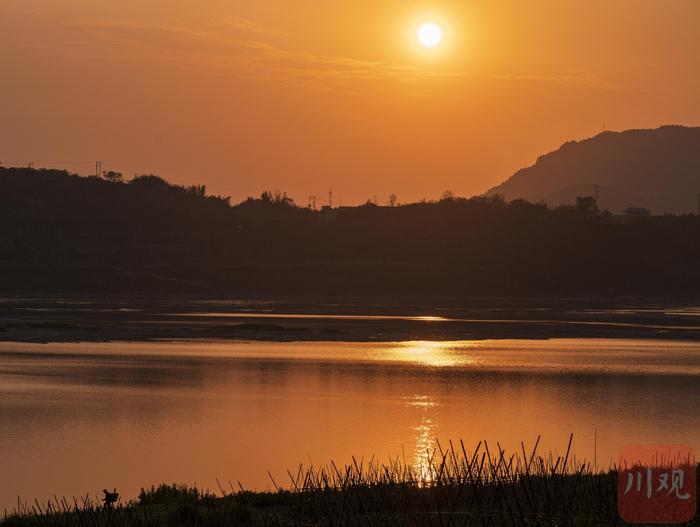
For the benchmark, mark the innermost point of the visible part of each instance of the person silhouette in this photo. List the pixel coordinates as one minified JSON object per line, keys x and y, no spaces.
{"x":110,"y":498}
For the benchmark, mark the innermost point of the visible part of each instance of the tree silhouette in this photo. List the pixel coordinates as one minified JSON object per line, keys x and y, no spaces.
{"x":586,"y":205}
{"x":447,"y":195}
{"x":114,"y":177}
{"x":63,"y":233}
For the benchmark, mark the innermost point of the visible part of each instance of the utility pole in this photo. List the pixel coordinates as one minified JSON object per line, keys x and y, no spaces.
{"x":596,"y":195}
{"x":98,"y":168}
{"x":330,"y":198}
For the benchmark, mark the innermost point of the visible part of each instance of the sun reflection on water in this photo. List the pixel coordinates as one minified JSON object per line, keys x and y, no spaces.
{"x":423,"y":450}
{"x":424,"y":442}
{"x":431,"y":353}
{"x":420,"y":401}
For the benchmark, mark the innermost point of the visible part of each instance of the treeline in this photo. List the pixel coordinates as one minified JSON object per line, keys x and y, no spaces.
{"x":65,"y":234}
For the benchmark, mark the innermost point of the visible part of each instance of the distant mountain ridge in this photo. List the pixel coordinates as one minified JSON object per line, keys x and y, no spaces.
{"x":658,"y":169}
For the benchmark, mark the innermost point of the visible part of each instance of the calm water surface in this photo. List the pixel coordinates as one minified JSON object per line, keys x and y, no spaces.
{"x":75,"y":418}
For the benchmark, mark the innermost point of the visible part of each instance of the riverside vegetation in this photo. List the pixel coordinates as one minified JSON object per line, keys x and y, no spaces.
{"x":452,"y":487}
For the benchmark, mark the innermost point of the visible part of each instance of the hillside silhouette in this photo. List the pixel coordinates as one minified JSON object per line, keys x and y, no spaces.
{"x":656,"y":169}
{"x":65,"y":234}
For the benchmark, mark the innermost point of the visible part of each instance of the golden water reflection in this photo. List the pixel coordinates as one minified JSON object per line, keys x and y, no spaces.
{"x":427,"y":353}
{"x":77,"y":417}
{"x":425,"y":433}
{"x":424,"y":450}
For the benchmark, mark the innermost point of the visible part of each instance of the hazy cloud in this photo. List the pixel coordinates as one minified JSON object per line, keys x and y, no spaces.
{"x":564,"y":79}
{"x":244,"y":50}
{"x":243,"y":24}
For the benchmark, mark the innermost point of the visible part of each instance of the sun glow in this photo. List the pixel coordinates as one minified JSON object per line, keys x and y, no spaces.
{"x":430,"y":35}
{"x":430,"y":353}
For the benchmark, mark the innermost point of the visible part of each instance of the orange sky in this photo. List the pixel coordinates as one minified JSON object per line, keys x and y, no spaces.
{"x":305,"y":95}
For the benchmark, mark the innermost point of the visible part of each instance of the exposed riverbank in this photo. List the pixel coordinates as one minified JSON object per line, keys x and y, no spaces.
{"x":73,"y":320}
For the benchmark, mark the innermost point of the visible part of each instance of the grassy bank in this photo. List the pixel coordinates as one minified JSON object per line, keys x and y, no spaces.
{"x":453,"y":487}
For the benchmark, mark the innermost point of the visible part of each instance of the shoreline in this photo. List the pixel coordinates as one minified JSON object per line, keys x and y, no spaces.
{"x":46,"y":320}
{"x":456,"y":487}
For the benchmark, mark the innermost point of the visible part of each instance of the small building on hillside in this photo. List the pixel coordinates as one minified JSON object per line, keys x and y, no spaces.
{"x":328,"y":213}
{"x":636,"y":212}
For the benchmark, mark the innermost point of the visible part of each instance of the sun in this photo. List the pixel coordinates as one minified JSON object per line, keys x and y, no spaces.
{"x":430,"y":35}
